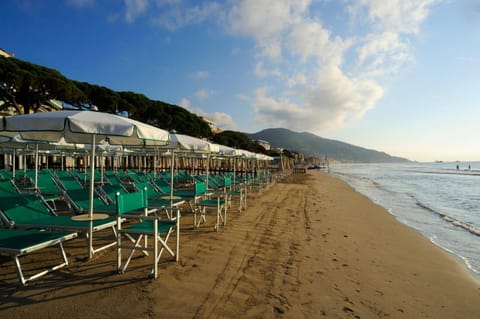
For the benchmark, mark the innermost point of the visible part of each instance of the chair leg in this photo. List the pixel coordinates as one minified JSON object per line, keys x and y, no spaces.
{"x":132,"y":252}
{"x":155,"y":249}
{"x":24,"y":281}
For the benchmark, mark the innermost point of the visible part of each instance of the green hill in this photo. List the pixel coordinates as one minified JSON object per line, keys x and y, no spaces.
{"x":313,"y":145}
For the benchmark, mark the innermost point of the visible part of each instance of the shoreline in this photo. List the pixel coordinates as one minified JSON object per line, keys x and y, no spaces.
{"x":308,"y":247}
{"x":394,"y":211}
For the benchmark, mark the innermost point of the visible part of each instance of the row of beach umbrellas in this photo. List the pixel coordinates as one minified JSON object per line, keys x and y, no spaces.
{"x":108,"y":132}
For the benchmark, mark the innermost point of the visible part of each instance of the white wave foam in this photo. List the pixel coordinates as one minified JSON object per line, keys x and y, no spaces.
{"x":465,"y":260}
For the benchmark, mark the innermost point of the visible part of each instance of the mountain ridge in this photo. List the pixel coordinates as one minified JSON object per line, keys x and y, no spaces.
{"x":313,"y":145}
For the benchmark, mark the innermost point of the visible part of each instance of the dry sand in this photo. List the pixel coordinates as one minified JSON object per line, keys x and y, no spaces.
{"x":308,"y":247}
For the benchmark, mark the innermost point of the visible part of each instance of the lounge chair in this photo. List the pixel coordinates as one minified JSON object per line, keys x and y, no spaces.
{"x":20,"y":242}
{"x":147,"y":224}
{"x":79,"y":200}
{"x":219,"y":202}
{"x":28,"y":211}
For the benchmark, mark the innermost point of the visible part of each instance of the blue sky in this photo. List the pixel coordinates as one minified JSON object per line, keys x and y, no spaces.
{"x":400,"y":76}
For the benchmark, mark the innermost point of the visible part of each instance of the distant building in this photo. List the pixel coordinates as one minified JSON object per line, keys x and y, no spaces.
{"x":263,"y":143}
{"x":6,"y":54}
{"x":212,"y":125}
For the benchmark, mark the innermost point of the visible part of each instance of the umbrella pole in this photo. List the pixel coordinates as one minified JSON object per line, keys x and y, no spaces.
{"x":90,"y":198}
{"x":171,"y":178}
{"x":177,"y":255}
{"x":102,"y":168}
{"x":207,"y":168}
{"x":234,"y":169}
{"x":36,"y":165}
{"x":14,"y":163}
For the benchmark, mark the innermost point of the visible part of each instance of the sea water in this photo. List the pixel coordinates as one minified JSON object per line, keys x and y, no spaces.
{"x":439,"y":200}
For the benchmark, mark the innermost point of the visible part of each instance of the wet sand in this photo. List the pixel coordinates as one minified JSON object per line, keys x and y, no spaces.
{"x":308,"y":247}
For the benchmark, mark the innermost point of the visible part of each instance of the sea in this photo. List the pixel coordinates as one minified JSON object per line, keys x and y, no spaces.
{"x":441,"y":200}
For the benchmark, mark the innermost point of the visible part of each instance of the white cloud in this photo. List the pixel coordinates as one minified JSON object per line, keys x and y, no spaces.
{"x":309,"y":39}
{"x":200,"y":75}
{"x":262,"y":72}
{"x":185,"y":103}
{"x":404,"y":16}
{"x":222,"y":120}
{"x":329,"y":99}
{"x":266,"y":21}
{"x":259,"y":70}
{"x":134,"y":8}
{"x":203,"y":94}
{"x":319,"y":77}
{"x":381,"y":54}
{"x":80,"y":3}
{"x":242,"y":97}
{"x":328,"y":78}
{"x":177,"y":16}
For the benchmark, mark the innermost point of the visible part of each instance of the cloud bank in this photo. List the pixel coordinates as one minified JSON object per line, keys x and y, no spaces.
{"x":321,"y":72}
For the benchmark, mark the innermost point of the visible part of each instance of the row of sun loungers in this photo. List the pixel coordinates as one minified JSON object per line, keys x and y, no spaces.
{"x":134,"y":204}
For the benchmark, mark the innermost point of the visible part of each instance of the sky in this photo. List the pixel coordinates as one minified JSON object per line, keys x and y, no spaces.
{"x":398,"y":76}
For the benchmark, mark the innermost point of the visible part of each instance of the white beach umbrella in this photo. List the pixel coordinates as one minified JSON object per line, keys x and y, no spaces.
{"x":85,"y":127}
{"x":231,"y":152}
{"x":191,"y":144}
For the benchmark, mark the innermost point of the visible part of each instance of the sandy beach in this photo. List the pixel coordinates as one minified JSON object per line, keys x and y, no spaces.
{"x":307,"y":247}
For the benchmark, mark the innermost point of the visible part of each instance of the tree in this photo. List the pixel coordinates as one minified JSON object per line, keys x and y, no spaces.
{"x":238,"y":140}
{"x":26,"y":87}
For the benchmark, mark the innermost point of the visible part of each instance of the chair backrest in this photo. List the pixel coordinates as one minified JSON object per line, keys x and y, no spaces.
{"x":132,"y":202}
{"x":67,"y":181}
{"x":227,"y":182}
{"x":151,"y":192}
{"x":25,"y":209}
{"x":7,"y":188}
{"x":109,"y":192}
{"x":200,"y":188}
{"x":46,"y":184}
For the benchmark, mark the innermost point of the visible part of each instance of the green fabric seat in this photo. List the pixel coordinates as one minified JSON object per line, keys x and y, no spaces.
{"x":29,"y":211}
{"x":147,"y":226}
{"x":142,"y":226}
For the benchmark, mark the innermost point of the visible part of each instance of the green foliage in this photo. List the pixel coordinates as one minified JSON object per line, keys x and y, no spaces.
{"x":26,"y":87}
{"x":238,"y":140}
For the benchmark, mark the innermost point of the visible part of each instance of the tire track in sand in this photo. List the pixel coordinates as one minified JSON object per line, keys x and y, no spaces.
{"x":262,"y":267}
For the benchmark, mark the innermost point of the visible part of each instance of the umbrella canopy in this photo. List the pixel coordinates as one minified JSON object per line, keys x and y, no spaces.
{"x":85,"y":127}
{"x":185,"y":143}
{"x":230,"y":151}
{"x":79,"y":126}
{"x":193,"y":144}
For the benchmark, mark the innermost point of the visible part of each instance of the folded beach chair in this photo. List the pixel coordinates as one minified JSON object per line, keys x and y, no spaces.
{"x":20,"y":242}
{"x":29,"y":211}
{"x":145,"y":225}
{"x":218,"y":202}
{"x":238,"y":191}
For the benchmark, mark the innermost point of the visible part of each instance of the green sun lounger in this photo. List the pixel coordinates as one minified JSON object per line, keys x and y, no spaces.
{"x":20,"y":242}
{"x":142,"y":227}
{"x":30,"y":212}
